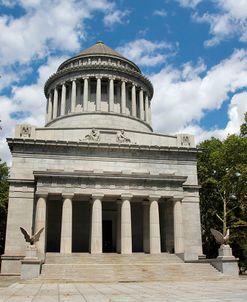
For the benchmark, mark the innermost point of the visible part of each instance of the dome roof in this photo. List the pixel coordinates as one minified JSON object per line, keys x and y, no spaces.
{"x":100,"y":49}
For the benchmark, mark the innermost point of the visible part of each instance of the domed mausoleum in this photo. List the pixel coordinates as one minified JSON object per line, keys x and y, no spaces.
{"x":96,"y":177}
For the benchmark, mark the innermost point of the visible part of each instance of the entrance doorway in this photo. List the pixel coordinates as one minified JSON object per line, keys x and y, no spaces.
{"x":107,"y":236}
{"x":109,"y":227}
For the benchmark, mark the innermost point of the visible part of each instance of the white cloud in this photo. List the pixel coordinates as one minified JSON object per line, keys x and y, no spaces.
{"x":146,"y":53}
{"x":230,"y":20}
{"x":114,"y":17}
{"x":160,"y":13}
{"x":29,"y":99}
{"x":182,"y":95}
{"x":189,"y":3}
{"x":236,"y":110}
{"x":45,"y":27}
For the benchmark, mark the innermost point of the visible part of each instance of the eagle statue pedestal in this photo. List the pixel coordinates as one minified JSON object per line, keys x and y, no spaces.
{"x":31,"y":252}
{"x":31,"y":264}
{"x":226,"y":263}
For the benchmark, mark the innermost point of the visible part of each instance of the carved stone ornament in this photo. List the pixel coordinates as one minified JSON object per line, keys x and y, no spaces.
{"x":25,"y":131}
{"x":94,"y":135}
{"x":122,"y":138}
{"x":185,"y":141}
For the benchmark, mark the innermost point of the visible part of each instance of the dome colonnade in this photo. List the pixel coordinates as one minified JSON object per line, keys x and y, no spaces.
{"x":103,"y":82}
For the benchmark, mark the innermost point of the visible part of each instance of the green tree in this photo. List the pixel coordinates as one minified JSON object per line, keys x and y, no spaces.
{"x":243,"y":127}
{"x":222,"y":172}
{"x":4,"y":192}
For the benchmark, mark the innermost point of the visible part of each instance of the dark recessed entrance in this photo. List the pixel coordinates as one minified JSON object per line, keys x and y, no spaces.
{"x":107,"y":236}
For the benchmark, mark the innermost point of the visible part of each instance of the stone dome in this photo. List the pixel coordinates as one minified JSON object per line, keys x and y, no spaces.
{"x":99,"y":88}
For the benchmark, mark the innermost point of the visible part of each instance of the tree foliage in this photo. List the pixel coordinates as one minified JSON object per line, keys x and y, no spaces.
{"x":4,"y":192}
{"x":222,"y":172}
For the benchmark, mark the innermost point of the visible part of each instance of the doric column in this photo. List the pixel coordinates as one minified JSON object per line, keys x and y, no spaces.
{"x":133,"y":100}
{"x":154,"y":225}
{"x":40,"y":222}
{"x":66,"y":227}
{"x":96,"y":224}
{"x":111,"y":94}
{"x":63,"y":99}
{"x":98,"y":94}
{"x":73,"y":96}
{"x":141,"y":104}
{"x":126,"y":229}
{"x":123,"y":97}
{"x":146,"y":228}
{"x":119,"y":205}
{"x":55,"y":102}
{"x":49,"y":110}
{"x":146,"y":109}
{"x":85,"y":94}
{"x":178,"y":227}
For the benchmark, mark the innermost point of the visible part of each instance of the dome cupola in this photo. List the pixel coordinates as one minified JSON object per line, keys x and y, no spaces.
{"x":99,"y":88}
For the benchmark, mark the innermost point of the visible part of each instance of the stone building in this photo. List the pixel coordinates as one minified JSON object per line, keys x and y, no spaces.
{"x":96,"y":176}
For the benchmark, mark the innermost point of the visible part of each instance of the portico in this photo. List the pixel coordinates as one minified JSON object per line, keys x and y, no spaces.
{"x":128,"y":231}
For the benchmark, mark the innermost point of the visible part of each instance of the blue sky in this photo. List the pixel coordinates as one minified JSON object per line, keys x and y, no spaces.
{"x":193,"y":51}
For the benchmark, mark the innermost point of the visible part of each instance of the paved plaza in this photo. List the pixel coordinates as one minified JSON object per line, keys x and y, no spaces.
{"x":231,"y":290}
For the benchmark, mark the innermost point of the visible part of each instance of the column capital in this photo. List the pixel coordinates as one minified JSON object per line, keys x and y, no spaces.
{"x":85,"y":77}
{"x":154,"y":197}
{"x":123,"y":80}
{"x":98,"y":77}
{"x":111,"y":77}
{"x":67,"y":195}
{"x":41,"y":194}
{"x":97,"y":196}
{"x":126,"y":196}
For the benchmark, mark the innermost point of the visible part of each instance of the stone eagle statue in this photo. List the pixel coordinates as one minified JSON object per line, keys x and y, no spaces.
{"x":31,"y":239}
{"x":219,"y":237}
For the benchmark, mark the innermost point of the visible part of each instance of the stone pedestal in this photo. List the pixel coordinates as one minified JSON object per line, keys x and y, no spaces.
{"x":30,"y":265}
{"x":226,"y":263}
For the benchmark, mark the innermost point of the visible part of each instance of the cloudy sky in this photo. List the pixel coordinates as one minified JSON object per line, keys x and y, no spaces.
{"x":194,"y":52}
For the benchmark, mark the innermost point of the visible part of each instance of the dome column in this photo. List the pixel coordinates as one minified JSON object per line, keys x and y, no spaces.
{"x":123,"y":97}
{"x":141,"y":104}
{"x":111,"y":94}
{"x":149,"y":112}
{"x":146,"y":109}
{"x":55,"y":101}
{"x":98,"y":94}
{"x":49,"y":110}
{"x":133,"y":100}
{"x":73,"y":96}
{"x":63,"y":100}
{"x":85,"y":94}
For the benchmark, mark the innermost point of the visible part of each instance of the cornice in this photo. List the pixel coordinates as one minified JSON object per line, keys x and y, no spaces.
{"x":98,"y":145}
{"x":120,"y":175}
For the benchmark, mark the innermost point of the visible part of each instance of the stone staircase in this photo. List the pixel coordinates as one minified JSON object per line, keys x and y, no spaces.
{"x":136,"y":267}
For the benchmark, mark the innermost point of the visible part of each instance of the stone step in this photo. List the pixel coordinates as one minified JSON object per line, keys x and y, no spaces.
{"x":85,"y":258}
{"x":130,"y":272}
